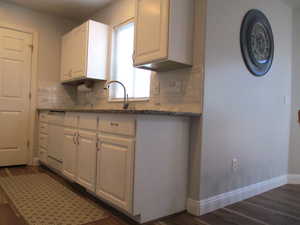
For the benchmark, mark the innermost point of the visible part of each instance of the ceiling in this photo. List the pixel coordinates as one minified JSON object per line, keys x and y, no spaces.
{"x":72,"y":9}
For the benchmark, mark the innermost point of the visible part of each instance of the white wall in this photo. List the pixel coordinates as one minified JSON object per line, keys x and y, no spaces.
{"x":50,"y":29}
{"x":244,"y":116}
{"x":294,"y":157}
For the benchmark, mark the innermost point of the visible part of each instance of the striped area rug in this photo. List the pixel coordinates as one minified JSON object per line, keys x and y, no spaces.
{"x":41,"y":200}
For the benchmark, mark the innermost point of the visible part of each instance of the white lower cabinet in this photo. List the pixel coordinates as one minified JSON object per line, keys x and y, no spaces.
{"x":115,"y":164}
{"x":70,"y":154}
{"x":79,"y":153}
{"x":43,"y":138}
{"x":136,"y":163}
{"x":86,"y":159}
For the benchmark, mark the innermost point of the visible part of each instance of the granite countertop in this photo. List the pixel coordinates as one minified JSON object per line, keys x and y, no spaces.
{"x":122,"y":111}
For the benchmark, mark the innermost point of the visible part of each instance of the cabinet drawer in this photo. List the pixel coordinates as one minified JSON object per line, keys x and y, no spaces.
{"x":71,"y":120}
{"x":43,"y":128}
{"x":117,"y":125}
{"x":88,"y":121}
{"x":43,"y":155}
{"x":43,"y":140}
{"x":43,"y":117}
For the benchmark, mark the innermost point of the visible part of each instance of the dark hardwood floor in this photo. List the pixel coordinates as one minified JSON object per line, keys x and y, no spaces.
{"x":277,"y":207}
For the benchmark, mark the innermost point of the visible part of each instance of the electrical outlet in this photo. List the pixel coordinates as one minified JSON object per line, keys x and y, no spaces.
{"x":235,"y":164}
{"x":286,"y":100}
{"x":175,"y":86}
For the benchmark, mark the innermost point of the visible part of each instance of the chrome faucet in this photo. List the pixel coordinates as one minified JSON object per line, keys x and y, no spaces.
{"x":125,"y":102}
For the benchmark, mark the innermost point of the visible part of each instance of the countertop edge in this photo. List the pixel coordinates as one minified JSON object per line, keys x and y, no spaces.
{"x":119,"y":111}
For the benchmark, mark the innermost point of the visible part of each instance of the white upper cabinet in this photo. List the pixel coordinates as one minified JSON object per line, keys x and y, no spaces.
{"x":66,"y":73}
{"x":164,"y":34}
{"x":85,"y":52}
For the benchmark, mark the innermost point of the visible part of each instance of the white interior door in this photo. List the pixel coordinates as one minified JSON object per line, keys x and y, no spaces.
{"x":15,"y":75}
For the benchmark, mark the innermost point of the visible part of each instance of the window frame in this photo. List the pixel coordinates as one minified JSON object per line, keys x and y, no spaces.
{"x":112,"y":53}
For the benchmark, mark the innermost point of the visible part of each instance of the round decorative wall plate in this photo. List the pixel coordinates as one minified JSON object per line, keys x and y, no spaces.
{"x":257,"y":42}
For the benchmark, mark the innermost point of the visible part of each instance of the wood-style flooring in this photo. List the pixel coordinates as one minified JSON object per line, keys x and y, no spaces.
{"x":277,"y":207}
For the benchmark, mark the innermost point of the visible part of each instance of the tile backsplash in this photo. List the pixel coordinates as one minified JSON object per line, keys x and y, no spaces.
{"x":179,"y":91}
{"x":55,"y":95}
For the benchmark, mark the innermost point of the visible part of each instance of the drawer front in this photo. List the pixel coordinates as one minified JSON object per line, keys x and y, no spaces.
{"x":43,"y":141}
{"x":43,"y":128}
{"x":43,"y":156}
{"x":88,"y":121}
{"x":118,"y":125}
{"x":43,"y":117}
{"x":71,"y":119}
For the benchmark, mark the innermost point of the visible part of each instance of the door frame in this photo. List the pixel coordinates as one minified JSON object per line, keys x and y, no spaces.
{"x":33,"y":87}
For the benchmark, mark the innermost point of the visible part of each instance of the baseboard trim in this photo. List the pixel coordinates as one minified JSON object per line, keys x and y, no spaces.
{"x":294,"y":179}
{"x":35,"y":161}
{"x":208,"y":205}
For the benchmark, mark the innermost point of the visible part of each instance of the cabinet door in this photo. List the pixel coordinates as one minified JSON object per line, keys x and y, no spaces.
{"x":151,"y":31}
{"x":79,"y":51}
{"x":115,"y":162}
{"x":86,"y":158}
{"x":69,"y":154}
{"x":66,"y":58}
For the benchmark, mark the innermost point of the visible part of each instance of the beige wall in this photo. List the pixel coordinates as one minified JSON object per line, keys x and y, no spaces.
{"x":245,"y":117}
{"x":50,"y":29}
